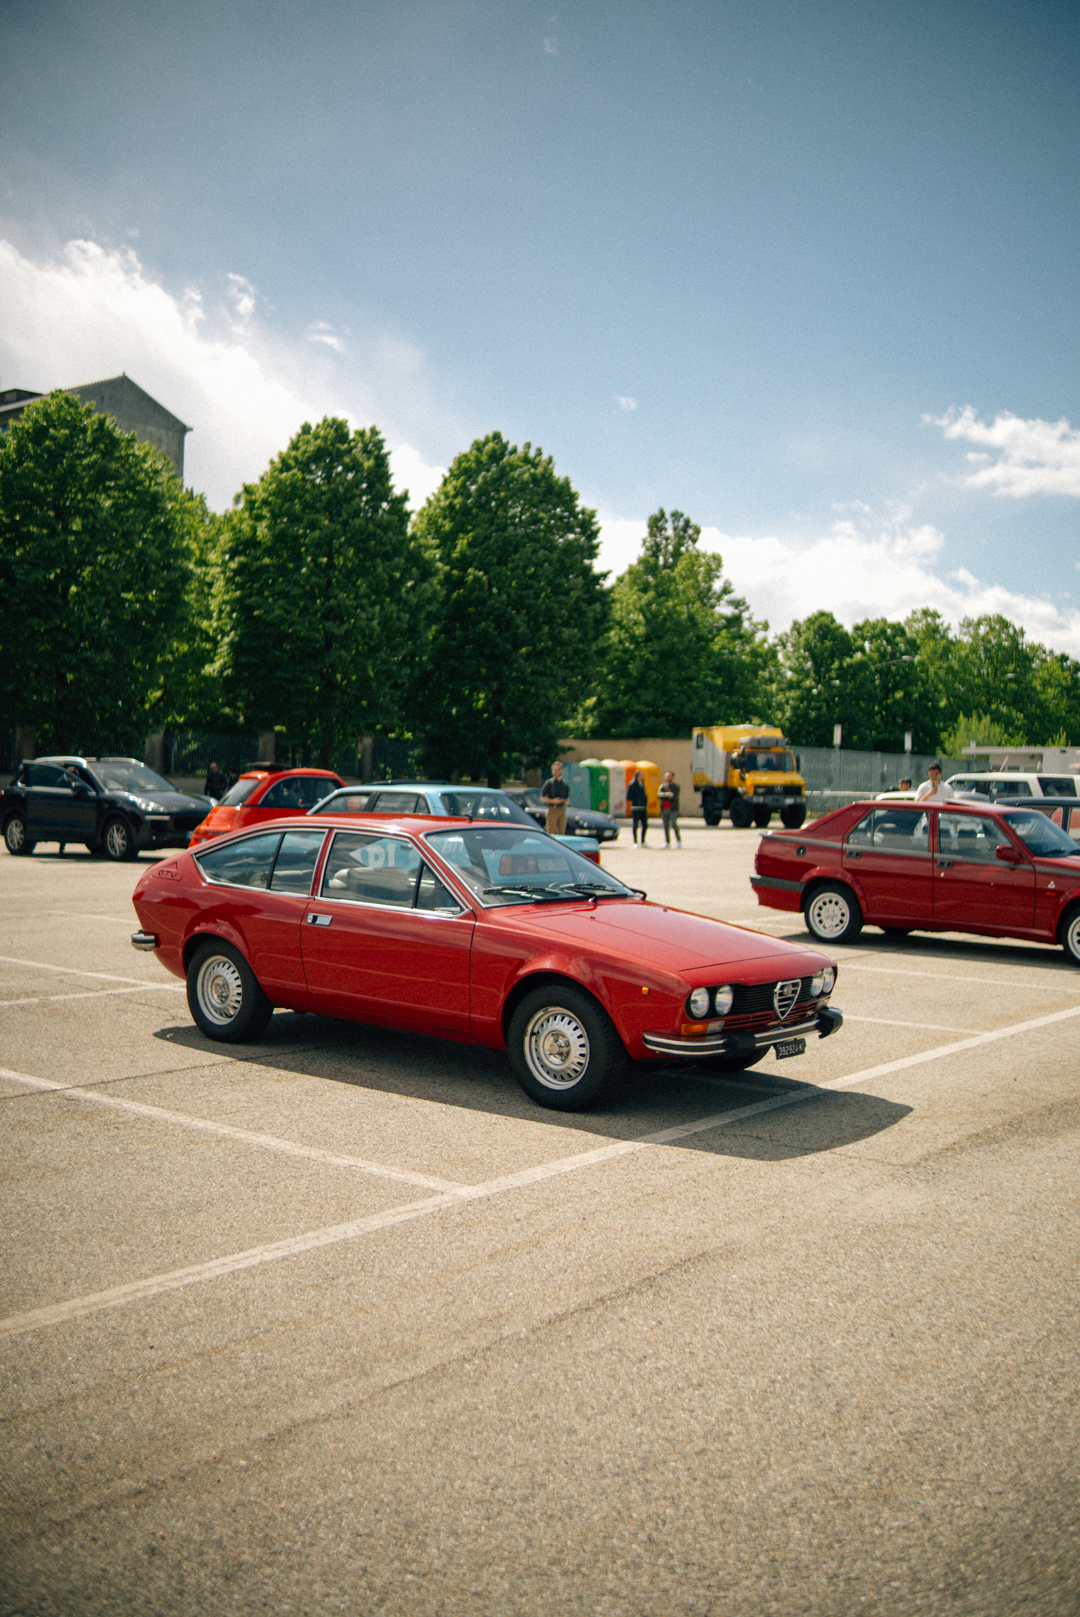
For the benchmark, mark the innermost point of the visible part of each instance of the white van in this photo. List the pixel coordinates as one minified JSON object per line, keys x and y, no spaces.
{"x":1016,"y":783}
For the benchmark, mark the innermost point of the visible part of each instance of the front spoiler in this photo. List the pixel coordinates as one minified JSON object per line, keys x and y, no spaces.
{"x":742,"y":1044}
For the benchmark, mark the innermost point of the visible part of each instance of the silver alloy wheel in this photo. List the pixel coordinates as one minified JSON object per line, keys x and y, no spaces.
{"x":117,"y":839}
{"x":556,"y":1048}
{"x":15,"y":834}
{"x":219,"y":989}
{"x":829,"y":915}
{"x":1071,"y":938}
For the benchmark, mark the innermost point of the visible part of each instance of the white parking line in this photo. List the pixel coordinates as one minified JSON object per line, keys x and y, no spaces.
{"x":88,"y":915}
{"x":233,"y":1263}
{"x":269,"y":1142}
{"x":851,"y":964}
{"x":929,"y":1027}
{"x":98,"y":976}
{"x":88,"y":993}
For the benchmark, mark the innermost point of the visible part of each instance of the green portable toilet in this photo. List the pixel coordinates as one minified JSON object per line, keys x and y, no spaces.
{"x":599,"y":785}
{"x":579,"y":779}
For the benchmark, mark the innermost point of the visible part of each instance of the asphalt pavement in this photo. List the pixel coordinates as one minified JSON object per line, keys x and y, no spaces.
{"x":341,"y":1322}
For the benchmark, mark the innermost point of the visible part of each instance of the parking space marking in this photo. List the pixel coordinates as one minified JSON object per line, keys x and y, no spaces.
{"x":98,"y":976}
{"x":850,"y":962}
{"x":233,"y":1263}
{"x":268,"y":1142}
{"x":88,"y":915}
{"x":889,"y":1021}
{"x":87,"y":993}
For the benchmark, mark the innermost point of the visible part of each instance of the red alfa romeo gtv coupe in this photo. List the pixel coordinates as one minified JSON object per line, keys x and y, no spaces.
{"x":492,"y":933}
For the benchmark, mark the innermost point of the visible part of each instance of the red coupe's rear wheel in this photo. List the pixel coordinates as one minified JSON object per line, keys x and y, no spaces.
{"x":223,"y":994}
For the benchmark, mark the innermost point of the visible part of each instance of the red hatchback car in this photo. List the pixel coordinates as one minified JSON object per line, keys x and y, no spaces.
{"x":265,"y":794}
{"x":492,"y":933}
{"x":907,"y":867}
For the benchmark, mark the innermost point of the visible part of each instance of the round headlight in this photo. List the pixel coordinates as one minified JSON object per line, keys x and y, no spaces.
{"x":722,"y":999}
{"x":817,"y":987}
{"x":830,"y":978}
{"x":699,"y":1002}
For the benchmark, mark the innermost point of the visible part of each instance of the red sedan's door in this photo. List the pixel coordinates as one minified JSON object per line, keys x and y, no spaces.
{"x":888,"y":852}
{"x":971,"y":884}
{"x":386,"y":941}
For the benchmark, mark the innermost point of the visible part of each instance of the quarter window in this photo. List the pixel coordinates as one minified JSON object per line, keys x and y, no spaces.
{"x":246,"y":863}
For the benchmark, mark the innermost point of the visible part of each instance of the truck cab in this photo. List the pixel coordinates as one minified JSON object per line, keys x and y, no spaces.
{"x":749,"y":771}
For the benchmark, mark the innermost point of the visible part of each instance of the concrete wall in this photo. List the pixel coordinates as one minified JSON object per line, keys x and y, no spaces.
{"x":134,"y":410}
{"x":667,"y":752}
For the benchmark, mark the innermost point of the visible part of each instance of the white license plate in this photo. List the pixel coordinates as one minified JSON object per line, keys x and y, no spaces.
{"x":790,"y":1047}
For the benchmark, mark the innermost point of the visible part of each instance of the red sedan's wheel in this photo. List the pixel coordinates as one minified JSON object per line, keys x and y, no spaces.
{"x":833,"y":914}
{"x":564,"y":1049}
{"x":224,"y":996}
{"x":1070,"y":935}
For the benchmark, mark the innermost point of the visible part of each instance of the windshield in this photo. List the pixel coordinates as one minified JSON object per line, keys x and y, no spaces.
{"x":503,"y":864}
{"x":125,"y":776}
{"x":1039,"y":833}
{"x":240,"y":792}
{"x":780,"y":762}
{"x":481,"y":805}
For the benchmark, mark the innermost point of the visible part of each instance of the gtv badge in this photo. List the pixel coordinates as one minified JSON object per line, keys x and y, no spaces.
{"x":785,"y":995}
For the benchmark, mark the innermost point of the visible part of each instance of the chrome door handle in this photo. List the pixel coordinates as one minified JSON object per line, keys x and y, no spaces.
{"x":318,"y":920}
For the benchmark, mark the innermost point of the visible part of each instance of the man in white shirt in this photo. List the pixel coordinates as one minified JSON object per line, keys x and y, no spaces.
{"x":935,"y":788}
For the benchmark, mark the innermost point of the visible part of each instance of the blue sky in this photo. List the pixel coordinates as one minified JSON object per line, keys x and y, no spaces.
{"x":807,"y":272}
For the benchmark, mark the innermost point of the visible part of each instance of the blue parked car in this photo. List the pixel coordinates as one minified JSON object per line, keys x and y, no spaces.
{"x":437,"y":797}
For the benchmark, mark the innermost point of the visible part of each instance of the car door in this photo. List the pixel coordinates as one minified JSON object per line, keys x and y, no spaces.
{"x":274,"y":874}
{"x":59,"y":806}
{"x":972,"y":886}
{"x":888,"y":853}
{"x":386,"y":940}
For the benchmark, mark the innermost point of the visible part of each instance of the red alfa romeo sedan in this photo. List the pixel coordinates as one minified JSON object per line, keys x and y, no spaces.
{"x":491,"y":933}
{"x":907,"y":867}
{"x":265,"y":794}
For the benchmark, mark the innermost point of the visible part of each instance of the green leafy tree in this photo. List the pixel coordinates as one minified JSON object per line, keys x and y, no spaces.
{"x":822,"y":681}
{"x":682,"y":647}
{"x":897,"y":696}
{"x":323,"y":595}
{"x":520,"y":610}
{"x":95,"y":560}
{"x":981,"y":729}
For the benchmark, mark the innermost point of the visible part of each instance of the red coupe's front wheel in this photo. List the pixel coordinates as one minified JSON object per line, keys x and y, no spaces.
{"x":564,"y":1049}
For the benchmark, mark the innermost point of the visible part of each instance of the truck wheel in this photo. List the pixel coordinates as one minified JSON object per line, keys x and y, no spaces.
{"x":762,"y":818}
{"x":833,"y":914}
{"x":564,"y":1049}
{"x":712,"y":816}
{"x":793,"y":817}
{"x":15,"y":837}
{"x":742,"y":815}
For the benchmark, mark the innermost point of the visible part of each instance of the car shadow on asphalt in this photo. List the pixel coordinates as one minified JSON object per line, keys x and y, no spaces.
{"x":943,"y":947}
{"x":655,"y":1096}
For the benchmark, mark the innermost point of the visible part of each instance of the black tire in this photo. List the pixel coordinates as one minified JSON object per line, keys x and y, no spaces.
{"x":1070,"y":934}
{"x":762,"y":818}
{"x":793,"y":817}
{"x":564,"y":1049}
{"x":833,"y":914}
{"x":742,"y":815}
{"x":118,"y":840}
{"x":223,"y":994}
{"x":16,"y":840}
{"x":712,"y":816}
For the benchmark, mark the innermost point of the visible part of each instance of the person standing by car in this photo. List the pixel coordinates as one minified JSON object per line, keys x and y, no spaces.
{"x":904,"y":783}
{"x":934,"y":787}
{"x":669,"y":809}
{"x":555,"y":794}
{"x":215,"y":783}
{"x":638,"y":799}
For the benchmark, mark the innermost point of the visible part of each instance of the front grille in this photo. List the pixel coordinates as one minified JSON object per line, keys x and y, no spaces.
{"x":187,"y":822}
{"x":753,"y":1000}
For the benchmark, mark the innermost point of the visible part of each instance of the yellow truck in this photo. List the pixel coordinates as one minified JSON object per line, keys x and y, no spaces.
{"x":749,"y":770}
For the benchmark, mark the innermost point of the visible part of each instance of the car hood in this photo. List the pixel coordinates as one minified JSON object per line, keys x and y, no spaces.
{"x":673,"y":940}
{"x":174,"y":802}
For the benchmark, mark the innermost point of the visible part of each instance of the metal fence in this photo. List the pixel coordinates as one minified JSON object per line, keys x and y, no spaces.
{"x":837,"y":775}
{"x":191,"y":752}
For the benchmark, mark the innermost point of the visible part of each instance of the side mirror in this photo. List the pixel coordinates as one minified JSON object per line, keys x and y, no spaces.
{"x":81,"y":789}
{"x":1010,"y":855}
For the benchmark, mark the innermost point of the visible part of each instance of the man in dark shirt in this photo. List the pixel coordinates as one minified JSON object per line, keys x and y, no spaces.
{"x":215,"y":783}
{"x":669,"y":809}
{"x":555,"y":794}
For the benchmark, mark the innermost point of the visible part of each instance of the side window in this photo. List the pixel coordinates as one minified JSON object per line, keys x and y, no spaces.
{"x":296,"y":861}
{"x":1057,"y":786}
{"x":432,"y":894}
{"x":1071,"y":818}
{"x":970,"y":837}
{"x":347,"y":803}
{"x":371,"y":870}
{"x":311,"y":789}
{"x":46,"y":775}
{"x":284,"y":794}
{"x":861,"y":835}
{"x":1007,"y":788}
{"x":247,"y":863}
{"x":399,"y":803}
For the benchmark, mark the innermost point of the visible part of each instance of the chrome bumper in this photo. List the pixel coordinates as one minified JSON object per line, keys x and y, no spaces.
{"x":143,"y":940}
{"x":743,"y":1044}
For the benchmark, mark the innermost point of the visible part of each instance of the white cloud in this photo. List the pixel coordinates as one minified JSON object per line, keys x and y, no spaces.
{"x":89,"y":313}
{"x":625,"y":402}
{"x":1028,"y":457}
{"x":411,"y":473}
{"x":857,"y":570}
{"x":321,"y":332}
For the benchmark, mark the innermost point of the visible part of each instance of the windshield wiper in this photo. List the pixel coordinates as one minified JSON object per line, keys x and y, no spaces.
{"x":590,"y":889}
{"x":547,"y":893}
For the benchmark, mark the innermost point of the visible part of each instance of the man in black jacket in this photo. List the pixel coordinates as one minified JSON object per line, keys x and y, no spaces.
{"x":638,"y":798}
